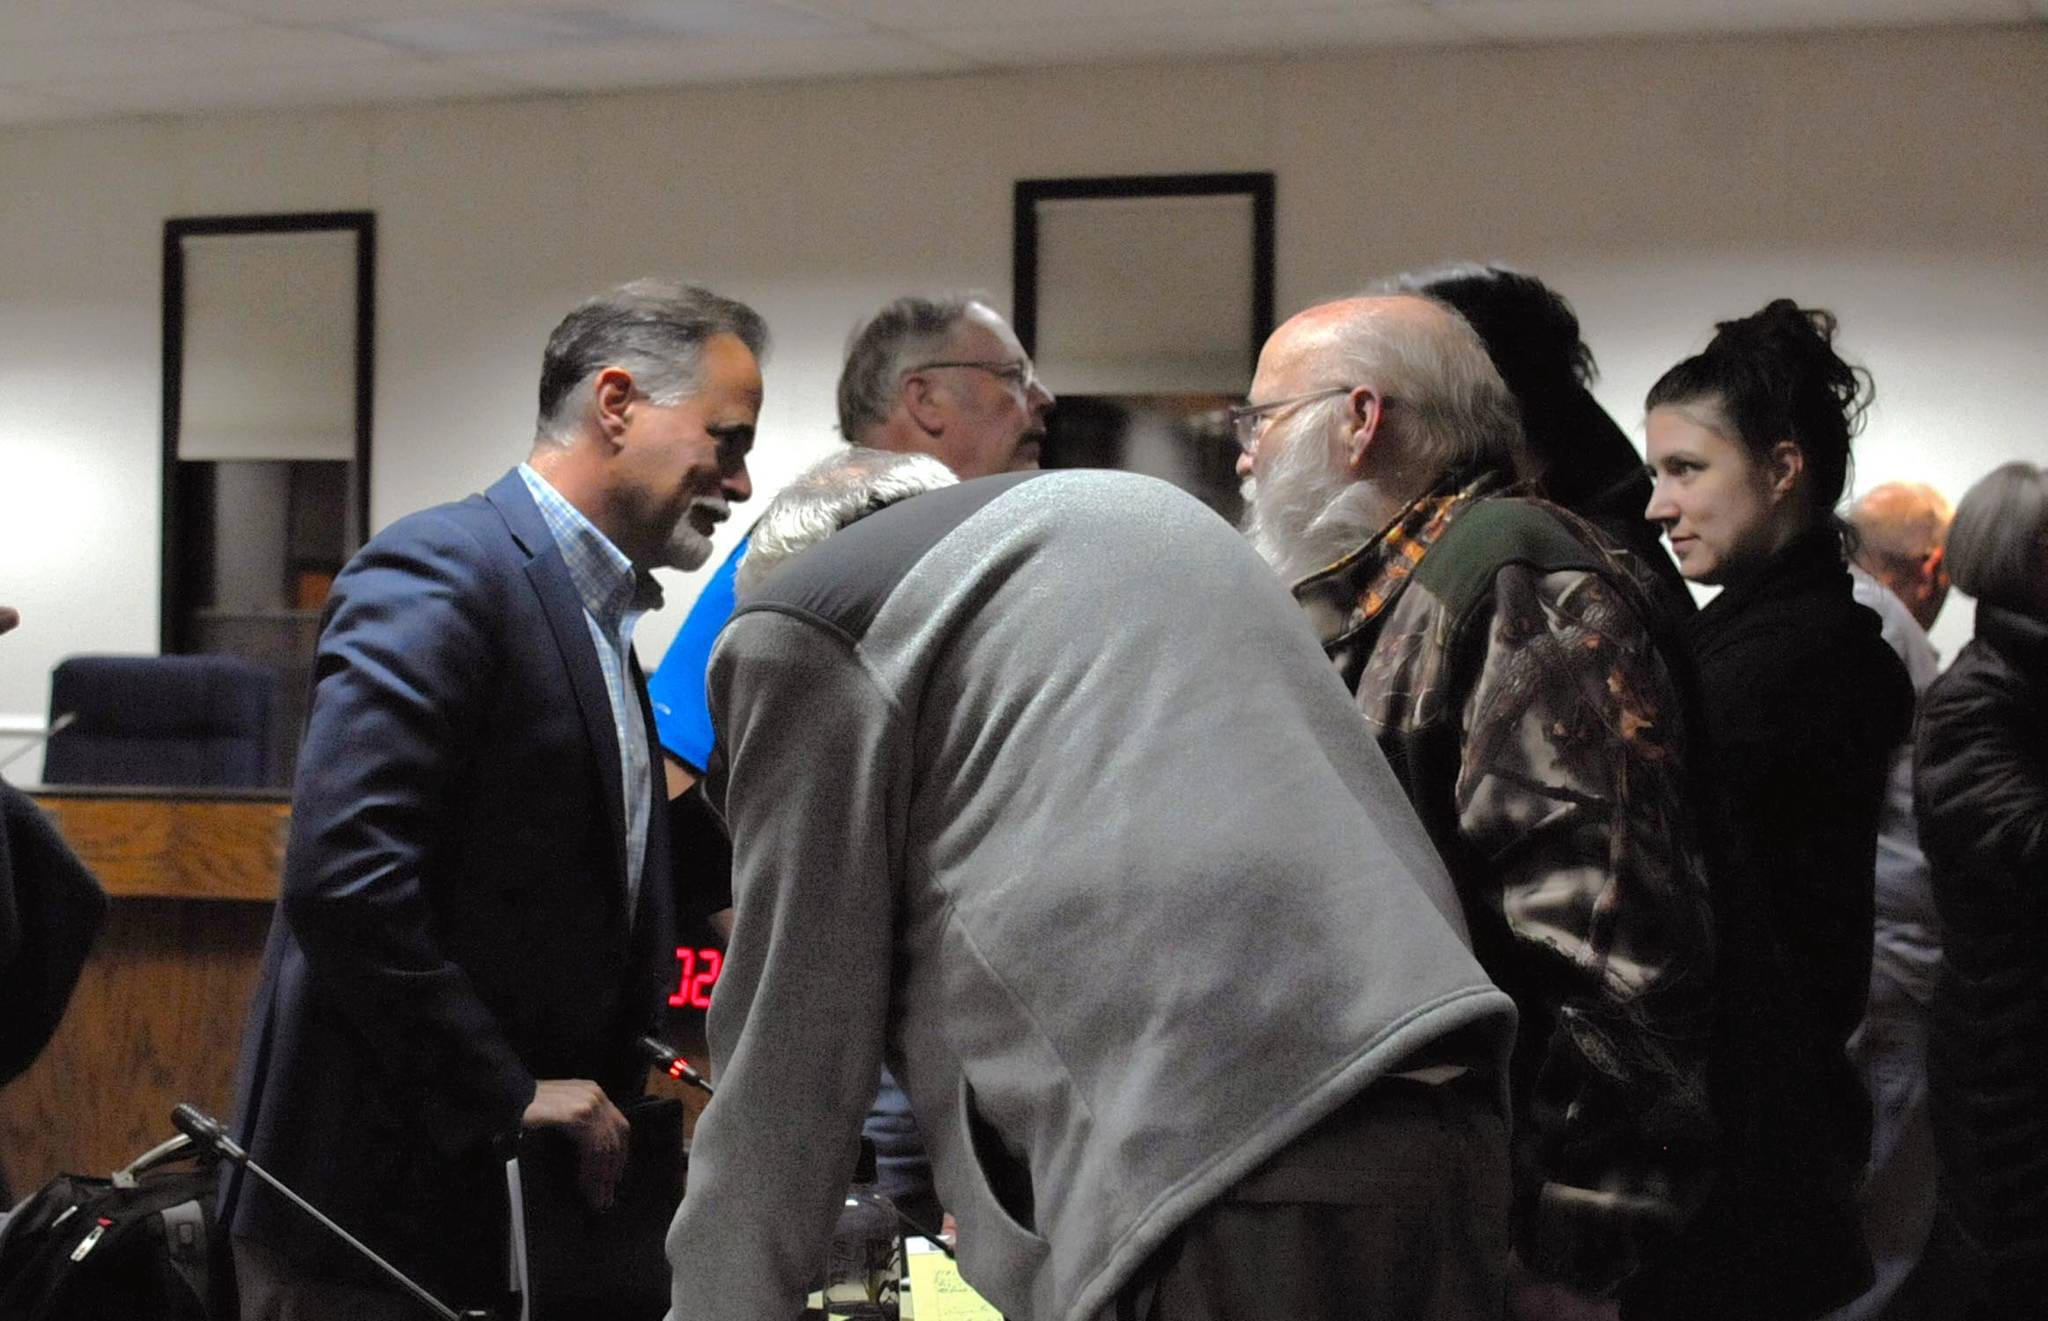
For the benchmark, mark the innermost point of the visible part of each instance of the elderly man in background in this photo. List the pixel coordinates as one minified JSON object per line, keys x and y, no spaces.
{"x":941,"y":375}
{"x":1900,"y":573}
{"x":1185,"y":1044}
{"x":946,"y":377}
{"x":1505,"y":660}
{"x":1901,"y":539}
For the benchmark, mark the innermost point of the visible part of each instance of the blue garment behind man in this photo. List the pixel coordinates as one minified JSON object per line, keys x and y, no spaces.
{"x":682,"y":720}
{"x":682,"y":717}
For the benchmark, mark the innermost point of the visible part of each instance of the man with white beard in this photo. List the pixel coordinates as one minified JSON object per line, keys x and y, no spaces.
{"x":475,"y":919}
{"x":1504,"y":659}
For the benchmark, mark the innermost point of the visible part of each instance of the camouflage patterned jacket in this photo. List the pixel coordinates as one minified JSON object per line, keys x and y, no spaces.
{"x":1504,"y":655}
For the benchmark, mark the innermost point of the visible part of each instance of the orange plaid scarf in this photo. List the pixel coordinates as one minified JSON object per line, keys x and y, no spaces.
{"x":1401,"y":547}
{"x":1349,"y":594}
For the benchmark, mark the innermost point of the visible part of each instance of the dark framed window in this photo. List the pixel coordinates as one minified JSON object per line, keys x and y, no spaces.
{"x":1144,"y":300}
{"x":268,"y":351}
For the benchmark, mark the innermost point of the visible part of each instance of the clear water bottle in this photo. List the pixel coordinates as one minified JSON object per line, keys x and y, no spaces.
{"x":864,"y":1268}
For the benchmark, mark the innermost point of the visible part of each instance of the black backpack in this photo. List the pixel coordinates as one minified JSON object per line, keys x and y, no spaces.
{"x":133,"y":1246}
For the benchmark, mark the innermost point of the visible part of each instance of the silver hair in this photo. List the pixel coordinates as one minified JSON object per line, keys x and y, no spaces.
{"x":654,"y":329}
{"x":1442,"y":397}
{"x":883,"y":347}
{"x":827,"y":496}
{"x":2000,"y":537}
{"x":1451,"y":406}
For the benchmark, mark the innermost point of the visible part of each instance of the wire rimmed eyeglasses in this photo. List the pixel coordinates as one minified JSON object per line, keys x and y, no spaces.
{"x":1245,"y":418}
{"x":1018,"y":373}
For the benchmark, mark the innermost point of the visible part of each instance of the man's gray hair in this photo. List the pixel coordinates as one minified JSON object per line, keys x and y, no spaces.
{"x":1999,"y":539}
{"x":1450,"y":403}
{"x":829,"y":495}
{"x":883,"y":347}
{"x":654,"y":329}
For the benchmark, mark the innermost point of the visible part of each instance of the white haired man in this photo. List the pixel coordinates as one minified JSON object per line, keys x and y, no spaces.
{"x":1505,"y":661}
{"x":944,"y":376}
{"x":1184,"y":1043}
{"x":1901,"y":535}
{"x":940,"y":375}
{"x":1900,"y":572}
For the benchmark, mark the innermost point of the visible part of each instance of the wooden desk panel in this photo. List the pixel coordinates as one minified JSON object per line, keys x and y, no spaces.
{"x":157,"y":1016}
{"x":176,"y":848}
{"x":156,"y":1020}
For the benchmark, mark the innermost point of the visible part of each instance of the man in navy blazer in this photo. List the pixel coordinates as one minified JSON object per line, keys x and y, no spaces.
{"x":474,"y":926}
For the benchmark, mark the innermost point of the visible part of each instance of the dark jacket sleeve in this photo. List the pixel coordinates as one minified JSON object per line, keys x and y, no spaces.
{"x":1571,"y":788}
{"x":51,"y":908}
{"x":404,"y":662}
{"x":1980,"y":779}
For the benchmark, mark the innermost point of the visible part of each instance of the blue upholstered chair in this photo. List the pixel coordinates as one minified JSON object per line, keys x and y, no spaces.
{"x":183,"y":721}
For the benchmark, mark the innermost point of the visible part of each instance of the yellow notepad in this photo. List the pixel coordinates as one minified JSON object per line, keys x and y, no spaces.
{"x":937,"y":1293}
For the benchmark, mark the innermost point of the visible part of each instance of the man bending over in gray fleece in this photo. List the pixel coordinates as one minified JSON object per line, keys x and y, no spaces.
{"x":1040,"y":785}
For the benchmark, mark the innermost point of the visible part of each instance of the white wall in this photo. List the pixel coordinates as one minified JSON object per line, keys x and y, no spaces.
{"x":1896,"y":179}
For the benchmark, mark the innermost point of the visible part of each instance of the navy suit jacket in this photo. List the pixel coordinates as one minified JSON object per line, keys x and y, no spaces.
{"x":454,"y":922}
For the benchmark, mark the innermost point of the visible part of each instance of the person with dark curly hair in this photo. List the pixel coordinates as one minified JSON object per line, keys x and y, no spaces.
{"x":1583,"y":460}
{"x":1803,"y":704}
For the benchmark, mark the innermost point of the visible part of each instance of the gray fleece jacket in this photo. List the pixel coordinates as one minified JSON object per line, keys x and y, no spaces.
{"x":1045,"y":786}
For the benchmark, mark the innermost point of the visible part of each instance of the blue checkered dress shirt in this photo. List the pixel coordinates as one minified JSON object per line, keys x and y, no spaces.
{"x":614,"y":597}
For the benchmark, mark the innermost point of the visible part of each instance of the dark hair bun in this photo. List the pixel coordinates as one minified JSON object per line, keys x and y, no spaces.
{"x":1776,"y":376}
{"x":1800,"y":342}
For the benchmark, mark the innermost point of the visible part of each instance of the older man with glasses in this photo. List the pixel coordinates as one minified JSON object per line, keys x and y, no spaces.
{"x":1503,"y":656}
{"x":942,"y":375}
{"x":946,"y":377}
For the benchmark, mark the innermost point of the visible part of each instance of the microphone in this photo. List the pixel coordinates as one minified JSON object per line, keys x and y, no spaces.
{"x":670,"y":1061}
{"x":208,"y":1133}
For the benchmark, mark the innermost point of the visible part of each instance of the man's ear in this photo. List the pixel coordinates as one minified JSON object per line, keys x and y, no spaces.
{"x":1364,"y":412}
{"x":1934,"y":570}
{"x":925,"y":401}
{"x":1784,"y":464}
{"x":611,"y":399}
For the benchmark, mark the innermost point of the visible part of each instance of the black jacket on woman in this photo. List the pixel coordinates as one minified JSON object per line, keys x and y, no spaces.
{"x":1980,"y":789}
{"x":1803,"y":704}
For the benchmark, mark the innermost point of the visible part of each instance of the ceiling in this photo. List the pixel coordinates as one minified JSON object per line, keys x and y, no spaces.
{"x":63,"y":60}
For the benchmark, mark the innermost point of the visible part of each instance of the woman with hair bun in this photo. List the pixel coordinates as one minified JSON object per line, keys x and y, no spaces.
{"x":1980,"y":790}
{"x":1802,"y":703}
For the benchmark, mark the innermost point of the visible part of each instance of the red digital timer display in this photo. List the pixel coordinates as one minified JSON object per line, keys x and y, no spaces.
{"x":696,"y":973}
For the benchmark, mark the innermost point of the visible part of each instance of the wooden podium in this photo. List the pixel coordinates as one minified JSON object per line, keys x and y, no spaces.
{"x":157,"y":1017}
